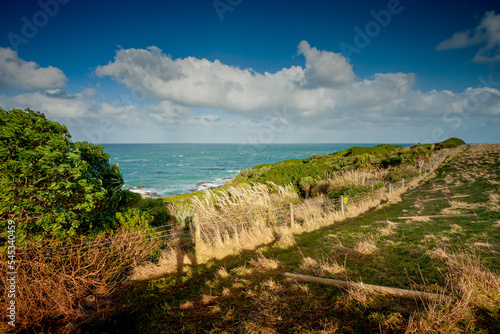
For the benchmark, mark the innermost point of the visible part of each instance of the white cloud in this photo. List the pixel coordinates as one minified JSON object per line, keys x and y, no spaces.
{"x":55,"y":104}
{"x":324,"y":68}
{"x":28,"y":75}
{"x":487,"y":32}
{"x":204,"y":83}
{"x":78,"y":109}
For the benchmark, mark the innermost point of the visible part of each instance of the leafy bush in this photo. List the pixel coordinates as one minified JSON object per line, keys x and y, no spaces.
{"x":391,"y":161}
{"x":305,"y":184}
{"x":130,"y":199}
{"x":158,"y":210}
{"x":134,"y":218}
{"x":349,"y":190}
{"x":403,"y":172}
{"x":450,"y":143}
{"x":49,"y":185}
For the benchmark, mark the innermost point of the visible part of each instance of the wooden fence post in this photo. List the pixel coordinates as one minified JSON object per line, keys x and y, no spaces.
{"x":342,"y":204}
{"x":292,"y":220}
{"x":197,"y":234}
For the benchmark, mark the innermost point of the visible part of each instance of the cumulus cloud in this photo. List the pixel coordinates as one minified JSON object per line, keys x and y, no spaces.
{"x":204,"y":83}
{"x":55,"y":103}
{"x":27,"y":74}
{"x":487,"y":32}
{"x":324,"y":68}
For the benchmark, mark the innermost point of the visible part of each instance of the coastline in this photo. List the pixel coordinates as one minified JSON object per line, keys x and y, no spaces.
{"x":200,"y":186}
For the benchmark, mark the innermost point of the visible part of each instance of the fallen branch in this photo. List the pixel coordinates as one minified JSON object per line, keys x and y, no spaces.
{"x":439,"y":216}
{"x":442,"y":198}
{"x":378,"y":288}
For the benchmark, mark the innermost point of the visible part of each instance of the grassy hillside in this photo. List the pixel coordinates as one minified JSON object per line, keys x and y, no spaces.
{"x":301,"y":173}
{"x":245,"y":292}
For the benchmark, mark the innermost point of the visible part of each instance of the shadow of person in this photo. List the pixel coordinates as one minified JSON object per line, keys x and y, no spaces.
{"x":185,"y":244}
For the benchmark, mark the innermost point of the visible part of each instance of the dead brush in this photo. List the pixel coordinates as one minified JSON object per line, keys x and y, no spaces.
{"x":53,"y":278}
{"x":471,"y":280}
{"x":322,"y":267}
{"x":388,"y":229}
{"x":477,"y":289}
{"x":441,"y":318}
{"x":366,"y":246}
{"x":263,"y":264}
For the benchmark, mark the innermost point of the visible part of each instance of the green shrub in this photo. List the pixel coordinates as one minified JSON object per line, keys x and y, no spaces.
{"x":305,"y":183}
{"x":402,"y":172}
{"x":134,"y":218}
{"x":130,"y":199}
{"x":158,"y":210}
{"x":49,"y":185}
{"x":320,"y":166}
{"x":350,"y":190}
{"x":450,"y":143}
{"x":322,"y":187}
{"x":391,"y":161}
{"x":383,"y":149}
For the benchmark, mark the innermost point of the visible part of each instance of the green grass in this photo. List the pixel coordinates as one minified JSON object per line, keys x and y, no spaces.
{"x":253,"y":297}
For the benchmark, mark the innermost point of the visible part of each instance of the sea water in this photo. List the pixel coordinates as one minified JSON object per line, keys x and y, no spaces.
{"x":170,"y":169}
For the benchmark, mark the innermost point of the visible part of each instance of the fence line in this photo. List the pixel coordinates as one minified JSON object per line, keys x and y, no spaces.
{"x":169,"y":231}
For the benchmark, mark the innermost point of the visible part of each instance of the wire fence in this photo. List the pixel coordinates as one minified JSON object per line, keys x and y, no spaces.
{"x":168,"y":234}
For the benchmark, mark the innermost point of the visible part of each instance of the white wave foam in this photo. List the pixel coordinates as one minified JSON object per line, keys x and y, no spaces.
{"x":144,"y":191}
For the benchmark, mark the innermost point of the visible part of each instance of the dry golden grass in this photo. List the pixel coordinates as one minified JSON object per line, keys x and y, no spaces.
{"x":486,"y":245}
{"x":439,"y":318}
{"x":494,"y":201}
{"x":439,"y":253}
{"x":366,"y":246}
{"x":261,"y":263}
{"x":388,"y":229}
{"x":366,"y":177}
{"x":322,"y":267}
{"x":361,"y":294}
{"x":476,"y":287}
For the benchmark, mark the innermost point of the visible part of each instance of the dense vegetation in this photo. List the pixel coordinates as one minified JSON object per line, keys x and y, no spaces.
{"x":305,"y":173}
{"x":50,"y":185}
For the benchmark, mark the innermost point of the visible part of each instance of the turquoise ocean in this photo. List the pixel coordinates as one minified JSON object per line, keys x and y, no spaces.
{"x":172,"y":169}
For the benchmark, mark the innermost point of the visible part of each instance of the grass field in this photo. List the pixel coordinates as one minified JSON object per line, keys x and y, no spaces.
{"x":247,"y":293}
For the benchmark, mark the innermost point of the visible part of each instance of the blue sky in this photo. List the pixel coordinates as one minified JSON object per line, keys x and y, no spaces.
{"x":243,"y":71}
